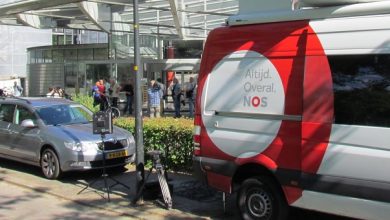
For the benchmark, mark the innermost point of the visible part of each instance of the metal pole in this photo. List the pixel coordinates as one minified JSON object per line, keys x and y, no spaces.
{"x":138,"y":105}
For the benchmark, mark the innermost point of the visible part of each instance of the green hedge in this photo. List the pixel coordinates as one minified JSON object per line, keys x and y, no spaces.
{"x":87,"y":101}
{"x":172,"y":136}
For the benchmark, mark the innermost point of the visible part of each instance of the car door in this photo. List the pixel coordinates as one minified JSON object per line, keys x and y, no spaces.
{"x":6,"y":118}
{"x":24,"y":141}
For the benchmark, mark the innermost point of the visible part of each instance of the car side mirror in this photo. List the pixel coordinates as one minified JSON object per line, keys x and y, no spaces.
{"x":28,"y":123}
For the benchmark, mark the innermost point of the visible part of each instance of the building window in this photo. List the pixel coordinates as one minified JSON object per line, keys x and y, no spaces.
{"x":100,"y":54}
{"x":39,"y":56}
{"x":361,"y":85}
{"x":54,"y":40}
{"x":58,"y":56}
{"x":70,"y":54}
{"x":31,"y":56}
{"x":47,"y":56}
{"x":85,"y":54}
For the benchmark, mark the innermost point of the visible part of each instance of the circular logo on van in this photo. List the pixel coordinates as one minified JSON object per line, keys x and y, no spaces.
{"x":243,"y":102}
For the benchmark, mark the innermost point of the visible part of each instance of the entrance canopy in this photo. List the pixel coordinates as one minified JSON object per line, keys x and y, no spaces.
{"x":170,"y":19}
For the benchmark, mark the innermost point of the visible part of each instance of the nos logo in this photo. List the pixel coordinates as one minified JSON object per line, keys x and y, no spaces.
{"x":255,"y":101}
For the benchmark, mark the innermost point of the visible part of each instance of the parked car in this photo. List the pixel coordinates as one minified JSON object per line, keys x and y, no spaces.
{"x":56,"y":134}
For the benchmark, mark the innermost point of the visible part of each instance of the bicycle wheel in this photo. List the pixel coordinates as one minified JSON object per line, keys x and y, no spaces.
{"x":115,"y":112}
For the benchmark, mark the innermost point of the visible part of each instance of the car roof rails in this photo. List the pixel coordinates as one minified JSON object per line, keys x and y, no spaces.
{"x":16,"y":97}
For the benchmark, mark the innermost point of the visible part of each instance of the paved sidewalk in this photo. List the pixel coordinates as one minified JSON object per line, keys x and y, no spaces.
{"x":191,"y":199}
{"x":24,"y":203}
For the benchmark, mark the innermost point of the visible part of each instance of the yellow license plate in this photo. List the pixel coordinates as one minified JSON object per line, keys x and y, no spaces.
{"x":117,"y":154}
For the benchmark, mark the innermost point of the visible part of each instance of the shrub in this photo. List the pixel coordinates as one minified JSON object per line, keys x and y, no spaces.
{"x":171,"y":136}
{"x":87,"y":101}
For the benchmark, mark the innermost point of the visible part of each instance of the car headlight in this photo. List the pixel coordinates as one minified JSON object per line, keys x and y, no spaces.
{"x":81,"y":147}
{"x":124,"y":142}
{"x":130,"y":141}
{"x":89,"y":146}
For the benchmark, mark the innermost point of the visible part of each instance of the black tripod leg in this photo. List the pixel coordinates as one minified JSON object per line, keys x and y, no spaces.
{"x":117,"y":182}
{"x":141,"y":189}
{"x":107,"y":187}
{"x":87,"y":186}
{"x":164,"y":188}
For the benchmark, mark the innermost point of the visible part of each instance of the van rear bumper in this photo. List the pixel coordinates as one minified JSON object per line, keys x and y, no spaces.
{"x":199,"y":173}
{"x":203,"y":165}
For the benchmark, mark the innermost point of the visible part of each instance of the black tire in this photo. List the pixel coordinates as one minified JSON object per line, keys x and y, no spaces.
{"x":259,"y":198}
{"x":115,"y":112}
{"x":50,"y":164}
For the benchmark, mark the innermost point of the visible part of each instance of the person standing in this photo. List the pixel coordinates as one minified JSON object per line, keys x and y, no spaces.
{"x":190,"y":95}
{"x":102,"y":94}
{"x":129,"y":90}
{"x":154,"y":97}
{"x":176,"y":95}
{"x":96,"y":94}
{"x":114,"y":92}
{"x":17,"y":90}
{"x":163,"y":95}
{"x":101,"y":87}
{"x":107,"y":86}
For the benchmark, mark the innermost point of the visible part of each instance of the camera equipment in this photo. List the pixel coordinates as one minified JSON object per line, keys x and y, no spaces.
{"x":161,"y":179}
{"x":102,"y":122}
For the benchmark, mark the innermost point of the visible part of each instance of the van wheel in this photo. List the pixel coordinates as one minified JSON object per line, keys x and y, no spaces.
{"x":50,"y":164}
{"x":259,"y":198}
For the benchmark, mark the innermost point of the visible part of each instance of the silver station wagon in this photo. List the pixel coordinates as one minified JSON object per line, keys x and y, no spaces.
{"x":56,"y":134}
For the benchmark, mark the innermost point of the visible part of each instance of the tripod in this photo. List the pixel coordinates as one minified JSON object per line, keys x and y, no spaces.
{"x":104,"y":174}
{"x":161,"y":179}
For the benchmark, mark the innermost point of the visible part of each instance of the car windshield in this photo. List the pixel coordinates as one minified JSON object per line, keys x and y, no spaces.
{"x":64,"y":114}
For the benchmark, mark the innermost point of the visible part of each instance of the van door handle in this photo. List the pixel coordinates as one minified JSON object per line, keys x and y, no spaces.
{"x":216,"y":124}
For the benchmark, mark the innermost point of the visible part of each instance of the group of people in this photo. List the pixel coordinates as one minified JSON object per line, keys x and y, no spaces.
{"x":16,"y":90}
{"x":188,"y":92}
{"x":107,"y":93}
{"x":56,"y":92}
{"x":156,"y":95}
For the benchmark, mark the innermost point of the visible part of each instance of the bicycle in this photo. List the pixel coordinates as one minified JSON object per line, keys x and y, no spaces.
{"x":115,"y":112}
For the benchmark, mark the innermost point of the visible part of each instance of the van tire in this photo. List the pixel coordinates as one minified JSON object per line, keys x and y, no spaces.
{"x":259,"y":198}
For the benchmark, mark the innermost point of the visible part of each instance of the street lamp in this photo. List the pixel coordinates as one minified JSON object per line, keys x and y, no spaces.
{"x":139,"y":156}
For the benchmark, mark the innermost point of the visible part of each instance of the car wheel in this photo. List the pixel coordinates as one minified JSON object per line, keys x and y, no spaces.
{"x":259,"y":198}
{"x":50,"y":164}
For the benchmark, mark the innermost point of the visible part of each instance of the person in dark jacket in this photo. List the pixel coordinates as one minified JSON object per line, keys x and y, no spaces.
{"x":129,"y":90}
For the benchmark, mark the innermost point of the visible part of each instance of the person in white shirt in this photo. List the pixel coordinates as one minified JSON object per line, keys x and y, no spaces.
{"x":17,"y":90}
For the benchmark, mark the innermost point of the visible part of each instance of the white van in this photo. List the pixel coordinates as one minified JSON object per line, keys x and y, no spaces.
{"x":293,"y":109}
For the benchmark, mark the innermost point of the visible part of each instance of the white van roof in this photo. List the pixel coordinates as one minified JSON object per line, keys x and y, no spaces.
{"x":282,"y":13}
{"x":325,"y":3}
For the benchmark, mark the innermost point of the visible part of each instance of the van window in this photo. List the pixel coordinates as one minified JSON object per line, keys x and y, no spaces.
{"x":361,"y":85}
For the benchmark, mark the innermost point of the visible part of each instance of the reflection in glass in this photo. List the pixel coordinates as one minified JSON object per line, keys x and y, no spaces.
{"x":361,"y":85}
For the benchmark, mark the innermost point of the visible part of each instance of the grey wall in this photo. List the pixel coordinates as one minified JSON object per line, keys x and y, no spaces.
{"x":42,"y":76}
{"x":14,"y":42}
